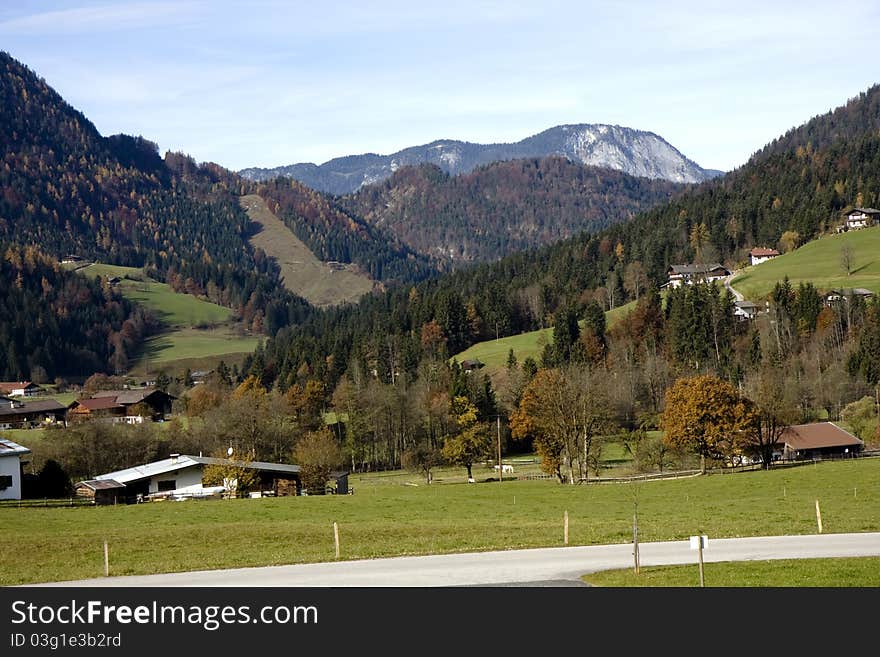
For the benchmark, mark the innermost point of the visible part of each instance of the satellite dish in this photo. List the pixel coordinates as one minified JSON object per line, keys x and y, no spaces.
{"x":229,"y":452}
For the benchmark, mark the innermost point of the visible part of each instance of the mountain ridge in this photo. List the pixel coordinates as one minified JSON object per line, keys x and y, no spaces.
{"x":636,"y":152}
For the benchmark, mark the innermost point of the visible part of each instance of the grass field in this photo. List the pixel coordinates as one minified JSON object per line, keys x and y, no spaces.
{"x":818,"y":262}
{"x":197,"y":344}
{"x":54,"y":544}
{"x":835,"y":572}
{"x":494,"y":352}
{"x":301,"y":272}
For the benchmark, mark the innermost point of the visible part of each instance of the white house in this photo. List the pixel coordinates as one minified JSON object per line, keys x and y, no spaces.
{"x":20,"y":388}
{"x":12,"y":455}
{"x":861,"y":218}
{"x":746,"y":309}
{"x":689,"y":274}
{"x":180,"y":475}
{"x":761,"y":254}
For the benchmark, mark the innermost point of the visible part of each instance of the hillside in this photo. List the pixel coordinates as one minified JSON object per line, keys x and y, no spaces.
{"x":503,"y":207}
{"x":301,"y":272}
{"x":818,"y":262}
{"x":69,"y":190}
{"x":635,"y":152}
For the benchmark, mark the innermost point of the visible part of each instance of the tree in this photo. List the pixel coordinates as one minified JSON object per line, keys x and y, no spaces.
{"x":789,"y":241}
{"x":705,"y":415}
{"x":566,"y":411}
{"x":234,"y":475}
{"x":317,"y":454}
{"x":635,"y":280}
{"x":847,"y":258}
{"x":861,"y":415}
{"x":473,"y":440}
{"x":775,"y":409}
{"x":422,"y":459}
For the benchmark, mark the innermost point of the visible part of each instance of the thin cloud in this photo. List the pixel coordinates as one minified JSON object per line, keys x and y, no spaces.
{"x":99,"y":18}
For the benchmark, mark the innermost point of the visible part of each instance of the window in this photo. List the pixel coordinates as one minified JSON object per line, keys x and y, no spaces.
{"x":5,"y":482}
{"x":168,"y":484}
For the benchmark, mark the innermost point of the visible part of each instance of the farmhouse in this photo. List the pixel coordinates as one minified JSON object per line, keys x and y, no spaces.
{"x":861,"y":218}
{"x":761,"y":254}
{"x":471,"y":364}
{"x":16,"y":414}
{"x":20,"y":389}
{"x":689,"y":274}
{"x":12,"y":456}
{"x":745,"y":309}
{"x":845,"y":294}
{"x":123,"y":406}
{"x":180,"y":476}
{"x":817,"y":440}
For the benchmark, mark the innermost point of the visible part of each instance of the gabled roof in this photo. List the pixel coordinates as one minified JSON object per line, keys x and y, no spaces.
{"x":686,"y":270}
{"x":32,"y":407}
{"x":9,"y":448}
{"x":856,"y":291}
{"x":817,"y":435}
{"x":763,"y":252}
{"x":97,"y":404}
{"x":14,"y":385}
{"x":864,"y":211}
{"x":184,"y":461}
{"x":128,"y":397}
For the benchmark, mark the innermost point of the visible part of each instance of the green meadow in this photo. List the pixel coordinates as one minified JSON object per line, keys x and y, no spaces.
{"x":391,"y":518}
{"x":818,"y":262}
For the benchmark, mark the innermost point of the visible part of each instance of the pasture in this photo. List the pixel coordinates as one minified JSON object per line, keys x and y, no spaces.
{"x":391,"y":518}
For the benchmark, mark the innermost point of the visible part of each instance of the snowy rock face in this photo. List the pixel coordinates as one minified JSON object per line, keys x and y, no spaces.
{"x":635,"y":152}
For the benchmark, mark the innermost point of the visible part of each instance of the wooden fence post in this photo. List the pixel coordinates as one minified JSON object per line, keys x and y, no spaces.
{"x":106,"y":559}
{"x":565,"y":528}
{"x":336,"y":538}
{"x":818,"y":517}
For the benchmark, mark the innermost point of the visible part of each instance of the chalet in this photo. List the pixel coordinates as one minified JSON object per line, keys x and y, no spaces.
{"x":16,"y":414}
{"x":181,"y":476}
{"x":471,"y":364}
{"x":123,"y":406}
{"x":761,"y":254}
{"x":861,"y":218}
{"x":12,"y":457}
{"x":689,"y":274}
{"x":20,"y":389}
{"x":817,"y":440}
{"x":845,"y":294}
{"x":746,"y":309}
{"x":69,"y":259}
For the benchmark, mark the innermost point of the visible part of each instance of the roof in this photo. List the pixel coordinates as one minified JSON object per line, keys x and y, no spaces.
{"x":864,"y":210}
{"x":101,"y":403}
{"x":12,"y":385}
{"x":761,"y":252}
{"x":816,"y":435}
{"x":33,"y":407}
{"x":183,"y":461}
{"x":9,"y":448}
{"x":695,"y":268}
{"x":126,"y":397}
{"x":101,"y":484}
{"x":856,"y":291}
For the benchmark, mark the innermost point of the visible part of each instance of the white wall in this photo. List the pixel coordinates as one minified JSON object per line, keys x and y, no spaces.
{"x":11,"y":465}
{"x":191,"y":476}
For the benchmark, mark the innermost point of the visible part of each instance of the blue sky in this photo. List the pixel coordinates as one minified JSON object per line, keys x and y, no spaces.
{"x":266,"y":83}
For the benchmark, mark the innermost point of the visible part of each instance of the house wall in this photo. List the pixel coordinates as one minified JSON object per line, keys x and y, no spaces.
{"x":191,"y":476}
{"x":11,"y":465}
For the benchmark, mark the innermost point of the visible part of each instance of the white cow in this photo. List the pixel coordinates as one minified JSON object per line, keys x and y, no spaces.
{"x":505,"y":468}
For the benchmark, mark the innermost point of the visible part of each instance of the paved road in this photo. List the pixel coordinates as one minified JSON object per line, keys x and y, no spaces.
{"x":538,"y":567}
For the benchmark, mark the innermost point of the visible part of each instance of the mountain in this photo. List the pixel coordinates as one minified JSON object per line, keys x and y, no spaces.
{"x":635,"y":152}
{"x":502,"y":207}
{"x":799,"y":185}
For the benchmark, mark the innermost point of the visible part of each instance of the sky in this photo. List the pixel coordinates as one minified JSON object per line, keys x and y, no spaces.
{"x":267,"y":83}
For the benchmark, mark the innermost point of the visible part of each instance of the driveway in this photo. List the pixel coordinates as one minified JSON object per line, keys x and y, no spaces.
{"x":536,"y":567}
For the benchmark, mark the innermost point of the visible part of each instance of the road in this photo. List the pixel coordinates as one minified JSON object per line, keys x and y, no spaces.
{"x":561,"y":566}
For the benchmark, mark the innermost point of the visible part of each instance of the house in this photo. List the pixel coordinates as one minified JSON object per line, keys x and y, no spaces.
{"x":817,"y":440}
{"x":123,"y":406}
{"x":20,"y":389}
{"x":844,"y":294}
{"x":12,"y":457}
{"x":68,"y":259}
{"x":746,"y":309}
{"x":180,"y":476}
{"x":16,"y":414}
{"x":761,"y":254}
{"x":861,"y":218}
{"x":694,"y":273}
{"x":471,"y":364}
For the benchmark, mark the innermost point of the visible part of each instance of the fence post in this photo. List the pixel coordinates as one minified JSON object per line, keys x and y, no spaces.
{"x":818,"y":517}
{"x":565,"y":528}
{"x":106,"y":559}
{"x":336,"y":538}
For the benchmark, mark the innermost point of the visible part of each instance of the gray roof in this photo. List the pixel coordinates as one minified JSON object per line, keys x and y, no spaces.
{"x":9,"y":448}
{"x":691,"y":269}
{"x":865,"y":210}
{"x":126,"y":397}
{"x":101,"y":484}
{"x":184,"y":461}
{"x":33,"y":407}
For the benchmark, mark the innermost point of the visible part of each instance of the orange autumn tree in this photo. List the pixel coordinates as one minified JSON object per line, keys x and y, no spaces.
{"x":707,"y":416}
